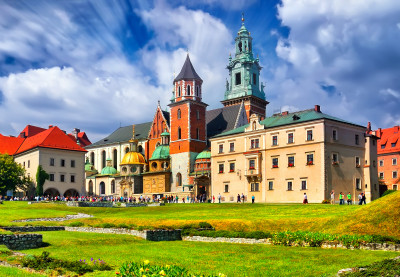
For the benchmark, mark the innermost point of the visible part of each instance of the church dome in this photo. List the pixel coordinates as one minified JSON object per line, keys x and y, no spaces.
{"x":108,"y":170}
{"x":206,"y":154}
{"x":133,"y":158}
{"x":89,"y":166}
{"x":160,"y":153}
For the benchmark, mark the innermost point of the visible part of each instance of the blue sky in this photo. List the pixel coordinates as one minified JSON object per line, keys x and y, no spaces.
{"x":96,"y":65}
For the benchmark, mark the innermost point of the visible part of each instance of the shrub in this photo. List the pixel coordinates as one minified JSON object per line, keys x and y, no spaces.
{"x":123,"y":225}
{"x":389,"y":191}
{"x":205,"y":225}
{"x":325,"y":201}
{"x":107,"y":225}
{"x":76,"y":224}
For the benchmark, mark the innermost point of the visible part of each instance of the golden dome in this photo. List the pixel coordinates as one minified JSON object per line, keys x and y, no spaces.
{"x":133,"y":158}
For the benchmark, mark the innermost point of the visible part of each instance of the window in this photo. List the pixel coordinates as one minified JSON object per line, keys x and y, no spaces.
{"x":373,"y":163}
{"x":383,"y":146}
{"x":221,"y":168}
{"x":112,"y":186}
{"x":255,"y":187}
{"x":275,"y":163}
{"x":62,"y":178}
{"x":29,"y":163}
{"x":252,"y":164}
{"x":179,"y":133}
{"x":394,"y":174}
{"x":270,"y":185}
{"x":290,"y":138}
{"x":303,"y":184}
{"x":254,"y":79}
{"x":393,"y":144}
{"x":188,"y":90}
{"x":197,"y":91}
{"x":394,"y":161}
{"x":232,"y":167}
{"x":309,"y":135}
{"x":102,"y":188}
{"x":179,"y":114}
{"x":255,"y":143}
{"x":103,"y":158}
{"x":381,"y":175}
{"x":290,"y":161}
{"x":334,"y":134}
{"x":126,"y":150}
{"x":179,"y":179}
{"x":289,"y":185}
{"x":51,"y":177}
{"x":394,"y":187}
{"x":24,"y":164}
{"x":274,"y":140}
{"x":92,"y":158}
{"x":221,"y":148}
{"x":357,"y":139}
{"x":310,"y":159}
{"x":232,"y":147}
{"x":179,"y":91}
{"x":238,"y":79}
{"x":226,"y":188}
{"x":72,"y":178}
{"x":358,"y":162}
{"x":198,"y":115}
{"x":72,"y":163}
{"x":358,"y":183}
{"x":335,"y":159}
{"x":197,"y":133}
{"x":380,"y":162}
{"x":51,"y":161}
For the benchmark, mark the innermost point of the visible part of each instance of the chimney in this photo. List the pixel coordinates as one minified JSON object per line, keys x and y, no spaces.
{"x":50,"y":126}
{"x":317,"y":108}
{"x":369,"y":127}
{"x":285,"y":113}
{"x":75,"y":132}
{"x":396,"y":128}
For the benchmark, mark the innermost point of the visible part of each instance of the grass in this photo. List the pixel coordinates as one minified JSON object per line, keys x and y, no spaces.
{"x":17,"y":272}
{"x":209,"y":258}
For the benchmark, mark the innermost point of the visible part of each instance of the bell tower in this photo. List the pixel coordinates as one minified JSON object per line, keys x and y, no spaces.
{"x":244,"y":77}
{"x":188,"y":135}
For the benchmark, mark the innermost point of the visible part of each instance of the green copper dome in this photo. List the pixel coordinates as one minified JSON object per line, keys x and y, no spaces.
{"x":206,"y":154}
{"x":108,"y":170}
{"x":160,"y":153}
{"x":164,"y":134}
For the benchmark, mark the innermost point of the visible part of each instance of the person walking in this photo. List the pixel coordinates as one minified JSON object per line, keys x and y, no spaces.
{"x":349,"y":198}
{"x":242,"y":197}
{"x":332,"y":197}
{"x":360,"y":199}
{"x":238,"y":198}
{"x":252,"y":199}
{"x":213,"y":199}
{"x":364,"y":199}
{"x":305,"y":200}
{"x":219,"y":198}
{"x":341,"y":198}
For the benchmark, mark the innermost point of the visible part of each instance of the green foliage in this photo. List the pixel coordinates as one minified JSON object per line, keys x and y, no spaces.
{"x":326,"y":201}
{"x":106,"y":225}
{"x":146,"y":269}
{"x":12,"y":174}
{"x":389,"y":191}
{"x":41,"y":177}
{"x":45,"y":262}
{"x":388,"y":267}
{"x":76,"y":224}
{"x":205,"y":225}
{"x":123,"y":225}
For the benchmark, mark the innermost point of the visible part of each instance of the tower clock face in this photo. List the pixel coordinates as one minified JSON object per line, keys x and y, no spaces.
{"x":133,"y":169}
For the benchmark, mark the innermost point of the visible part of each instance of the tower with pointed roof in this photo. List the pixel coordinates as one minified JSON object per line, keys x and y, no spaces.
{"x":244,"y":75}
{"x":188,"y":124}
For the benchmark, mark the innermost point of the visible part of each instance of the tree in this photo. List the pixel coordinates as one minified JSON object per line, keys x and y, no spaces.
{"x":41,"y":177}
{"x":12,"y":174}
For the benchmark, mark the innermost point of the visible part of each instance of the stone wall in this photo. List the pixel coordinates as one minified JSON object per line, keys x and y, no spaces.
{"x":163,"y":235}
{"x":90,"y":204}
{"x":33,"y":228}
{"x":20,"y":242}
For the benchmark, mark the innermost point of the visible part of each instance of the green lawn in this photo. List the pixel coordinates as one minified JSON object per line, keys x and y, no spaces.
{"x":211,"y":258}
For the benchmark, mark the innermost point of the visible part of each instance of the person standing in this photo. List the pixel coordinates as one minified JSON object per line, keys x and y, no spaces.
{"x":364,"y":199}
{"x":332,"y":197}
{"x":238,"y":198}
{"x":219,"y":198}
{"x":305,"y":200}
{"x":242,"y":197}
{"x":213,"y":199}
{"x":252,"y":199}
{"x":341,"y":198}
{"x":349,"y":198}
{"x":360,"y":199}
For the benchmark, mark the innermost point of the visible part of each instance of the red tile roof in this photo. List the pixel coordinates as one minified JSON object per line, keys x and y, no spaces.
{"x":31,"y":131}
{"x":9,"y":145}
{"x":50,"y":138}
{"x":82,"y":137}
{"x":389,"y":139}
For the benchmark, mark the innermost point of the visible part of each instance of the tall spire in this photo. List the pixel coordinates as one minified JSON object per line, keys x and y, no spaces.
{"x":187,"y":71}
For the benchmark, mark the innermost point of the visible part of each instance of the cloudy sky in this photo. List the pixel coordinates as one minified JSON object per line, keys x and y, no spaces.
{"x":98,"y":65}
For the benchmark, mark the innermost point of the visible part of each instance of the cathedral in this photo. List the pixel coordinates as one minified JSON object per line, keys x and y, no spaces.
{"x":171,"y":154}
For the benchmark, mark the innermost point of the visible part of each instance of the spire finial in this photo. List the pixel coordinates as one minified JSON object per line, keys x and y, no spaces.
{"x":242,"y":18}
{"x":133,"y":131}
{"x":158,"y":102}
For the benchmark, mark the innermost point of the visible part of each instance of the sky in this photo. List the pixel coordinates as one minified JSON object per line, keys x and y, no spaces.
{"x":98,"y":65}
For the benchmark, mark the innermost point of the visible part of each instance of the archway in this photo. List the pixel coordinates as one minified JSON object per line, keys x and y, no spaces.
{"x":113,"y":186}
{"x":52,"y":192}
{"x":90,"y":188}
{"x":71,"y":193}
{"x":102,"y":188}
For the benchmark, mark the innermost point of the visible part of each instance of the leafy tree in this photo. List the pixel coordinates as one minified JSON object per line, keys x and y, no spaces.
{"x":41,"y":177}
{"x":12,"y":174}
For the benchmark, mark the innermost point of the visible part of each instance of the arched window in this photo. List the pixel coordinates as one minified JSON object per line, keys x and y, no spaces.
{"x":92,"y":158}
{"x":90,"y":187}
{"x":197,"y":91}
{"x":102,"y":188}
{"x":188,"y":90}
{"x":197,"y":133}
{"x":197,"y":114}
{"x":178,"y":180}
{"x":140,"y":149}
{"x":179,"y":133}
{"x":126,"y":150}
{"x":112,"y":186}
{"x":240,"y":46}
{"x":103,"y":159}
{"x":179,"y":91}
{"x":254,"y":125}
{"x":115,"y":158}
{"x":250,"y":46}
{"x":179,"y":113}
